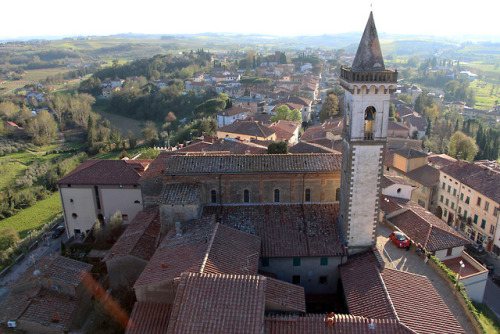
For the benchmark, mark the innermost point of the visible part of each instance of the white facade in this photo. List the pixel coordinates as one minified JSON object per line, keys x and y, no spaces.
{"x":399,"y":191}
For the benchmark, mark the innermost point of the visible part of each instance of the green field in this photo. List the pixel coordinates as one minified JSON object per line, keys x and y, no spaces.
{"x":486,"y":98}
{"x":34,"y":217}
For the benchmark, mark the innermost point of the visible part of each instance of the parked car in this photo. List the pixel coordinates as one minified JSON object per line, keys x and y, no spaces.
{"x":57,"y":232}
{"x":399,"y":239}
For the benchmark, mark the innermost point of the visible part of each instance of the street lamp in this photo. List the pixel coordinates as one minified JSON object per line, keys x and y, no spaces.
{"x":462,"y":265}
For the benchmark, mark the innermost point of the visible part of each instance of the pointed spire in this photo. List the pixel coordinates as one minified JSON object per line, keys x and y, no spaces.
{"x":369,"y":56}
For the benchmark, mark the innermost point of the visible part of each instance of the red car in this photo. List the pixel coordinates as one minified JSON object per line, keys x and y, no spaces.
{"x":399,"y":239}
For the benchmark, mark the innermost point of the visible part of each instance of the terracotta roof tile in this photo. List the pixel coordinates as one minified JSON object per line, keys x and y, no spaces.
{"x":180,"y":193}
{"x":102,"y":172}
{"x":247,"y":128}
{"x":390,"y":204}
{"x":305,"y":147}
{"x":440,"y":160}
{"x":410,"y":153}
{"x":395,"y":126}
{"x":259,"y":163}
{"x":233,"y":111}
{"x":149,"y":318}
{"x":426,"y":312}
{"x":60,"y":268}
{"x":480,"y":178}
{"x":141,"y":236}
{"x":364,"y":289}
{"x":298,"y":230}
{"x":423,"y":227}
{"x":285,"y":295}
{"x":40,"y":306}
{"x":207,"y":303}
{"x":202,"y":246}
{"x":343,"y":323}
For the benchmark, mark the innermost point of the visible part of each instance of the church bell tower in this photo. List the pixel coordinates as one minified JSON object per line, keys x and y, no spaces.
{"x":368,"y":86}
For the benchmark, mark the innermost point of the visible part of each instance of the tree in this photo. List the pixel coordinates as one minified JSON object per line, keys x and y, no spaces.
{"x":406,"y":98}
{"x":278,"y":148}
{"x":462,"y":146}
{"x":59,"y":106}
{"x":150,"y":133}
{"x":132,"y":140}
{"x":170,"y":117}
{"x":283,"y":112}
{"x":8,"y":109}
{"x":8,"y":236}
{"x":42,"y":128}
{"x":392,"y":112}
{"x":329,"y":108}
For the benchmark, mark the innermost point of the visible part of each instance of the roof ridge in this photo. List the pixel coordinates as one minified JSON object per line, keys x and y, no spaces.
{"x":386,"y":293}
{"x":146,"y":226}
{"x":207,"y":253}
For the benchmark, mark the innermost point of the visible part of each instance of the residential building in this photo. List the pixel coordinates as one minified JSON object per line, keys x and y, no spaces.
{"x":246,"y":130}
{"x":231,"y":115}
{"x":255,"y":105}
{"x":286,"y":131}
{"x":469,"y":200}
{"x":97,"y":189}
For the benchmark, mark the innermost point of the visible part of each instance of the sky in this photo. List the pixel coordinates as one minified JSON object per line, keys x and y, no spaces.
{"x":446,"y":18}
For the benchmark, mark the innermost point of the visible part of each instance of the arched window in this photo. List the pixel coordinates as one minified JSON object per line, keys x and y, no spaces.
{"x":276,"y":195}
{"x":369,"y":123}
{"x":213,"y":196}
{"x":308,"y":195}
{"x":246,"y":196}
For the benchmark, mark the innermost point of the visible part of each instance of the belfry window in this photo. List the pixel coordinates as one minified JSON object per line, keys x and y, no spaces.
{"x":276,"y":195}
{"x":246,"y":196}
{"x":213,"y":196}
{"x":369,"y":123}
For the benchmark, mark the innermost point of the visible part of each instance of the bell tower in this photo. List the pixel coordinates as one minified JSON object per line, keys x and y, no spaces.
{"x":368,"y":86}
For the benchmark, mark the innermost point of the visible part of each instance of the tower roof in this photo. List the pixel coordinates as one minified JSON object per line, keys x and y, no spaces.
{"x":369,"y":56}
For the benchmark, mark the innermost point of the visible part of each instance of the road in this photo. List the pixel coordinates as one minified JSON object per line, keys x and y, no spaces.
{"x":44,"y":248}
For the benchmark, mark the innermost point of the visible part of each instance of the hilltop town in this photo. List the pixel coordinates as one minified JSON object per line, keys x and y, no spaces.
{"x":322,"y":193}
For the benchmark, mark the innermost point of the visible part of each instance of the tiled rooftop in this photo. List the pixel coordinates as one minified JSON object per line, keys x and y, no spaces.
{"x":423,"y":227}
{"x":207,"y":303}
{"x":480,"y":178}
{"x":247,"y":128}
{"x":410,"y":153}
{"x":149,"y":318}
{"x":102,"y":172}
{"x":58,"y":267}
{"x":297,"y":230}
{"x":364,"y":290}
{"x":343,"y":323}
{"x":305,"y":147}
{"x":410,"y":298}
{"x":390,"y":178}
{"x":141,"y":236}
{"x":204,"y":247}
{"x":260,"y":163}
{"x":285,"y":295}
{"x":434,"y":317}
{"x":40,"y":306}
{"x":180,"y":193}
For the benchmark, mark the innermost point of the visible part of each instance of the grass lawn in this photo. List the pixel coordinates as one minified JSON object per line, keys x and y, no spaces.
{"x":483,"y":89}
{"x":487,"y":318}
{"x":35,"y":216}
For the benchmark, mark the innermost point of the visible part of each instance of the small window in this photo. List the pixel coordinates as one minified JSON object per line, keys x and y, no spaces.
{"x":421,"y":203}
{"x":265,"y":261}
{"x":495,"y":211}
{"x":453,"y":205}
{"x":296,"y":261}
{"x":137,"y":202}
{"x":124,"y":217}
{"x":492,"y":229}
{"x":454,"y":192}
{"x":460,"y":210}
{"x":486,"y":206}
{"x":462,"y":197}
{"x":447,"y":202}
{"x":423,"y":189}
{"x":449,"y":251}
{"x":445,"y":213}
{"x":324,"y":261}
{"x":246,"y":196}
{"x":465,"y":214}
{"x":296,"y":279}
{"x":399,"y":190}
{"x":323,"y":279}
{"x":441,"y":199}
{"x":276,"y":195}
{"x":444,"y":186}
{"x":74,"y":215}
{"x":71,"y":200}
{"x":69,"y":185}
{"x":478,"y":201}
{"x":213,"y":196}
{"x":475,"y":219}
{"x":483,"y":224}
{"x":449,"y":189}
{"x":467,"y":200}
{"x":308,"y":195}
